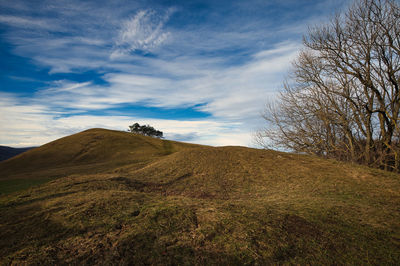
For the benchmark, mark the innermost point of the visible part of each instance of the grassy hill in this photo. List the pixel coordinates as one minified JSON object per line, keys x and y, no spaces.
{"x":91,"y":151}
{"x":114,"y":197}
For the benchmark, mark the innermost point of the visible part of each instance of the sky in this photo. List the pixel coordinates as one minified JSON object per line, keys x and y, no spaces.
{"x":200,"y":71}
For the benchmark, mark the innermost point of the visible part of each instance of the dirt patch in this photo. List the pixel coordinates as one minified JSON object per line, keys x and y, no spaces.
{"x":297,"y":226}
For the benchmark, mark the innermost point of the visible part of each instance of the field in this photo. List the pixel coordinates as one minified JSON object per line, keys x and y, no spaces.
{"x":109,"y":197}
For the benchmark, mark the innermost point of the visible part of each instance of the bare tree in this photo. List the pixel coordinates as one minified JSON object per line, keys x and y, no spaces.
{"x":342,"y":99}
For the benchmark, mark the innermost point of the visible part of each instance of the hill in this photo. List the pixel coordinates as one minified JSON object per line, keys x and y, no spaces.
{"x":127,"y":199}
{"x":88,"y":152}
{"x":8,"y":152}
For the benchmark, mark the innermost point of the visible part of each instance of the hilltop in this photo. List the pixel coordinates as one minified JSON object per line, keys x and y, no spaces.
{"x":88,"y":152}
{"x":115,"y":197}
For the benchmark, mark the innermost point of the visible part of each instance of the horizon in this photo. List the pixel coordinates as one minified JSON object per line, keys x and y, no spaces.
{"x":199,"y":71}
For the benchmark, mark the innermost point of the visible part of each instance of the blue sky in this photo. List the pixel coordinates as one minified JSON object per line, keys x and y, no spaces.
{"x":200,"y":71}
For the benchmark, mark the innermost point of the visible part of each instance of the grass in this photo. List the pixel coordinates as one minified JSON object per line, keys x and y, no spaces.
{"x":202,"y":205}
{"x":12,"y":185}
{"x":89,"y":152}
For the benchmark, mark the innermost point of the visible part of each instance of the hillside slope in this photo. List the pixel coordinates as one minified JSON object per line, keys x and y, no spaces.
{"x":178,"y":203}
{"x":91,"y":151}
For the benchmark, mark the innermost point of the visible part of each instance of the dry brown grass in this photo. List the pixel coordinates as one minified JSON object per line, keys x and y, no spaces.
{"x":190,"y":204}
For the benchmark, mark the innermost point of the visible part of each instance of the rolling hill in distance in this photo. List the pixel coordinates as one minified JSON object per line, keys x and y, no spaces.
{"x":112,"y":197}
{"x":8,"y":152}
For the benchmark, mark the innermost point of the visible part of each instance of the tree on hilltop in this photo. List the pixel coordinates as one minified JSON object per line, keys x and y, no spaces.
{"x":145,"y":130}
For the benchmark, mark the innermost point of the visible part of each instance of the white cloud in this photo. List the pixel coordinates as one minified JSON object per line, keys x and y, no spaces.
{"x":142,"y":32}
{"x":33,"y":125}
{"x":233,"y":96}
{"x":237,"y":92}
{"x":23,"y":124}
{"x":29,"y":23}
{"x":228,"y":70}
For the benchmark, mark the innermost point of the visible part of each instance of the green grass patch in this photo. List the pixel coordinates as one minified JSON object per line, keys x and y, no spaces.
{"x":13,"y":185}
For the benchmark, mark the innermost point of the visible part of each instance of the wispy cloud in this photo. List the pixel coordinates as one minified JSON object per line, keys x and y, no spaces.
{"x":25,"y":23}
{"x":233,"y":96}
{"x":220,"y":90}
{"x":225,"y":60}
{"x":30,"y":124}
{"x":144,"y":31}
